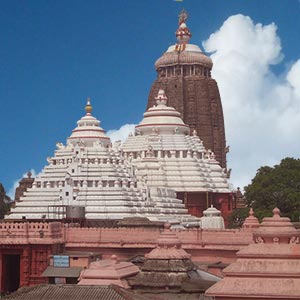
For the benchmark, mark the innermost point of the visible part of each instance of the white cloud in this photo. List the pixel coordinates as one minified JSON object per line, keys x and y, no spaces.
{"x":261,"y":109}
{"x":12,"y":190}
{"x":122,"y":133}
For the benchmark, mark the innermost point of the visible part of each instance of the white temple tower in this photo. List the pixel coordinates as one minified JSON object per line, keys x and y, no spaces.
{"x":163,"y":151}
{"x":88,"y":175}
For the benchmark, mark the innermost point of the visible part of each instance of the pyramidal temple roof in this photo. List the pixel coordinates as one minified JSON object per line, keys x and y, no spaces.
{"x":87,"y":173}
{"x":164,"y":154}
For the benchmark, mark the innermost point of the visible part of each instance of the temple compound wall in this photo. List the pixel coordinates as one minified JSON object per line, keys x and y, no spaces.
{"x":24,"y":252}
{"x":25,"y":248}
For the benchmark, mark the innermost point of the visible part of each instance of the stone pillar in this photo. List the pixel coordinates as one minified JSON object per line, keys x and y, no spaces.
{"x":24,"y":267}
{"x":33,"y":262}
{"x":1,"y":273}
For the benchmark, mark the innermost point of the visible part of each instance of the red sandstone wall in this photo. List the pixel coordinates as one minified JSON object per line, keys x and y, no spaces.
{"x":204,"y":245}
{"x":35,"y":248}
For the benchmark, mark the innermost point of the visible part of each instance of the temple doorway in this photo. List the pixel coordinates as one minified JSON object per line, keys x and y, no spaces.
{"x":11,"y":272}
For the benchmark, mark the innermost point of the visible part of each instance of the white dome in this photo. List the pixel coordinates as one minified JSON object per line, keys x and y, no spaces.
{"x":88,"y":130}
{"x":162,"y":119}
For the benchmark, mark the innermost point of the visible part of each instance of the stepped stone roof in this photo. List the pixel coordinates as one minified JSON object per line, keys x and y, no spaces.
{"x":88,"y":173}
{"x":164,"y":154}
{"x":168,"y":269}
{"x":108,"y":271}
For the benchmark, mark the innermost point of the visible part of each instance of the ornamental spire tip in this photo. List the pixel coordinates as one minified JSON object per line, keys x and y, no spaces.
{"x":161,"y":97}
{"x":183,"y":34}
{"x":183,"y":16}
{"x":88,"y":107}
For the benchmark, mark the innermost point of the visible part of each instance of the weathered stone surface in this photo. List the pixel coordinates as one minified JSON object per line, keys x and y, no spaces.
{"x":173,"y":265}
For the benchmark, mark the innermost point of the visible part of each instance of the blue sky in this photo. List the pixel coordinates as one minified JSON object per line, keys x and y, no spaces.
{"x":54,"y":54}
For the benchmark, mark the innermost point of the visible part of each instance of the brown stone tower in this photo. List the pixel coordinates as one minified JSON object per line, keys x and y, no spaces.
{"x":184,"y":72}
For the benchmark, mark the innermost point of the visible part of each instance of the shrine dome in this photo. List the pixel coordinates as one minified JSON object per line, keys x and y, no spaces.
{"x":88,"y":130}
{"x":162,"y":118}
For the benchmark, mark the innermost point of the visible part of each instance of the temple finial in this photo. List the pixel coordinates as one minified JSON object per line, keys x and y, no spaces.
{"x":183,"y":34}
{"x":276,"y":212}
{"x":183,"y":16}
{"x":161,"y":97}
{"x":251,"y":212}
{"x":88,"y":107}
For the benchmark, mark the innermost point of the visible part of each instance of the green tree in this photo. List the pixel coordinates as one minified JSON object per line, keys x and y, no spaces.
{"x":237,"y":217}
{"x":276,"y":186}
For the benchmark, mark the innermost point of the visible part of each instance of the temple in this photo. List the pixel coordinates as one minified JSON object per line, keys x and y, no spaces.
{"x":168,"y":190}
{"x":88,"y":179}
{"x":165,"y":154}
{"x":184,"y":72}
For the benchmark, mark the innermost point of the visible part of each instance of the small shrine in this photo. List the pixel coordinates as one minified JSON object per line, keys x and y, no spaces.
{"x":266,"y":269}
{"x":165,"y":152}
{"x":168,"y":269}
{"x":212,"y":219}
{"x":88,"y":179}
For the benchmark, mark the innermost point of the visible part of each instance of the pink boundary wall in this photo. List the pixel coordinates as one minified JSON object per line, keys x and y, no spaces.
{"x":138,"y":238}
{"x":31,"y":233}
{"x":203,"y":245}
{"x":36,"y":241}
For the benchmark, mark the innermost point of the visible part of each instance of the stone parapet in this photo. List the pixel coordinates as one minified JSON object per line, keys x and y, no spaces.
{"x":31,"y":233}
{"x":51,"y":233}
{"x":146,"y":237}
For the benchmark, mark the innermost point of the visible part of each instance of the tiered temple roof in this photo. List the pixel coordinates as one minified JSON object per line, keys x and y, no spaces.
{"x":164,"y":153}
{"x":87,"y":173}
{"x":107,"y":272}
{"x":168,"y":269}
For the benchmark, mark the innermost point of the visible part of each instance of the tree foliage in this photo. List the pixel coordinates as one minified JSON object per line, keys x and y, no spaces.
{"x":276,"y":186}
{"x":237,"y":217}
